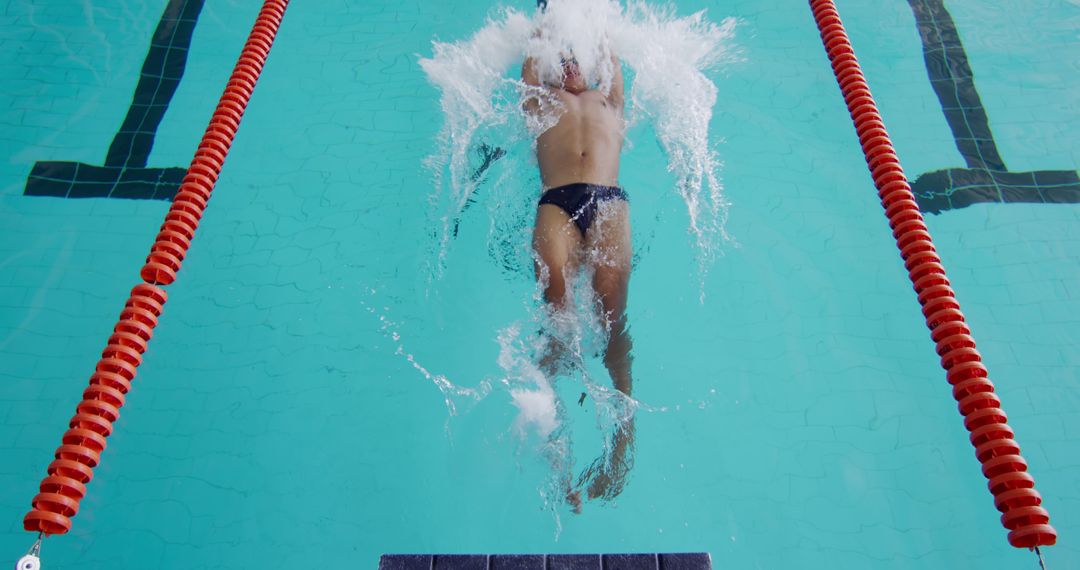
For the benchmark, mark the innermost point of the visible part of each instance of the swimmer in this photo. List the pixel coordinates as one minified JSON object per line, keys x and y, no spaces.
{"x":583,"y":222}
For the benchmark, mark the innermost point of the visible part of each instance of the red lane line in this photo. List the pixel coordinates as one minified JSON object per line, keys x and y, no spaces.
{"x":81,"y":446}
{"x":1012,"y":487}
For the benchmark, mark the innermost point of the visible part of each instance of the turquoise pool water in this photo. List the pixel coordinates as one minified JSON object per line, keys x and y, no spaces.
{"x":801,"y":418}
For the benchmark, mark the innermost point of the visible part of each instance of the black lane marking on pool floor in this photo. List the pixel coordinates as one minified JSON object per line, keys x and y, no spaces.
{"x":680,"y":561}
{"x":986,"y":178}
{"x":124,"y":174}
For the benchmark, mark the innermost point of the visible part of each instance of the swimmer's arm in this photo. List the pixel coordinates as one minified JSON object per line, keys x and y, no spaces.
{"x":616,"y":93}
{"x":531,"y":77}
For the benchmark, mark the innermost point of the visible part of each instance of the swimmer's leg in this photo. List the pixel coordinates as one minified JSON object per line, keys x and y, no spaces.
{"x":557,"y":245}
{"x":606,"y":476}
{"x":559,"y":452}
{"x":611,"y":256}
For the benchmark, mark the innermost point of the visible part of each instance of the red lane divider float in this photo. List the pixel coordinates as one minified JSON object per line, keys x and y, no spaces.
{"x":82,"y":444}
{"x":1012,"y":486}
{"x":170,"y":248}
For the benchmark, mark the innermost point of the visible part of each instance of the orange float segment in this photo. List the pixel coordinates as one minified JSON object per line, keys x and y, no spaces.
{"x":148,"y":297}
{"x":1016,"y":498}
{"x":84,"y":437}
{"x":57,"y":503}
{"x":46,"y":522}
{"x":97,"y":424}
{"x":1033,"y":536}
{"x":1015,"y":519}
{"x":72,"y":470}
{"x":79,"y":453}
{"x":135,"y":313}
{"x":156,"y":271}
{"x":64,"y":486}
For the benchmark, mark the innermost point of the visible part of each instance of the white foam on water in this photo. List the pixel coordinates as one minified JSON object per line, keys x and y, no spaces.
{"x":666,"y":57}
{"x":530,"y":390}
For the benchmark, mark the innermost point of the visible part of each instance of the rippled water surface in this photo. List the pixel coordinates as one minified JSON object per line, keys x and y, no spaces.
{"x":349,"y":361}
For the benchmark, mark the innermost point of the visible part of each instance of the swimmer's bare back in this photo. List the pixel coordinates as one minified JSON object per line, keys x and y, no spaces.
{"x":585,"y":144}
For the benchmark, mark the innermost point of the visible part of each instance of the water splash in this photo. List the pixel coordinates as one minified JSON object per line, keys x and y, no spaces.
{"x":477,"y":99}
{"x":556,"y":347}
{"x":485,"y":137}
{"x":453,"y":394}
{"x":666,"y":56}
{"x":530,"y":390}
{"x":670,"y":86}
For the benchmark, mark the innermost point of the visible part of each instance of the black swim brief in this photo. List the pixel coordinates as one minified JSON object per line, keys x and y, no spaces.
{"x":581,"y":201}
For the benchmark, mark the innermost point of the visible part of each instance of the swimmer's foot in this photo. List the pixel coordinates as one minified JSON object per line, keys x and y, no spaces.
{"x":599,"y":486}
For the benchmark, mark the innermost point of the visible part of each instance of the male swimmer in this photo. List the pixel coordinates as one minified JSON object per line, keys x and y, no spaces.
{"x":583,"y":223}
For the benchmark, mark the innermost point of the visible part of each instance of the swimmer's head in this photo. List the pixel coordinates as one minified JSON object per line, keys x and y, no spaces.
{"x":572,"y":79}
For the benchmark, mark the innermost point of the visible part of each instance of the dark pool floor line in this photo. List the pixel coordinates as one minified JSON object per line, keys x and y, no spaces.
{"x":125,"y":174}
{"x":656,"y":561}
{"x":986,"y":178}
